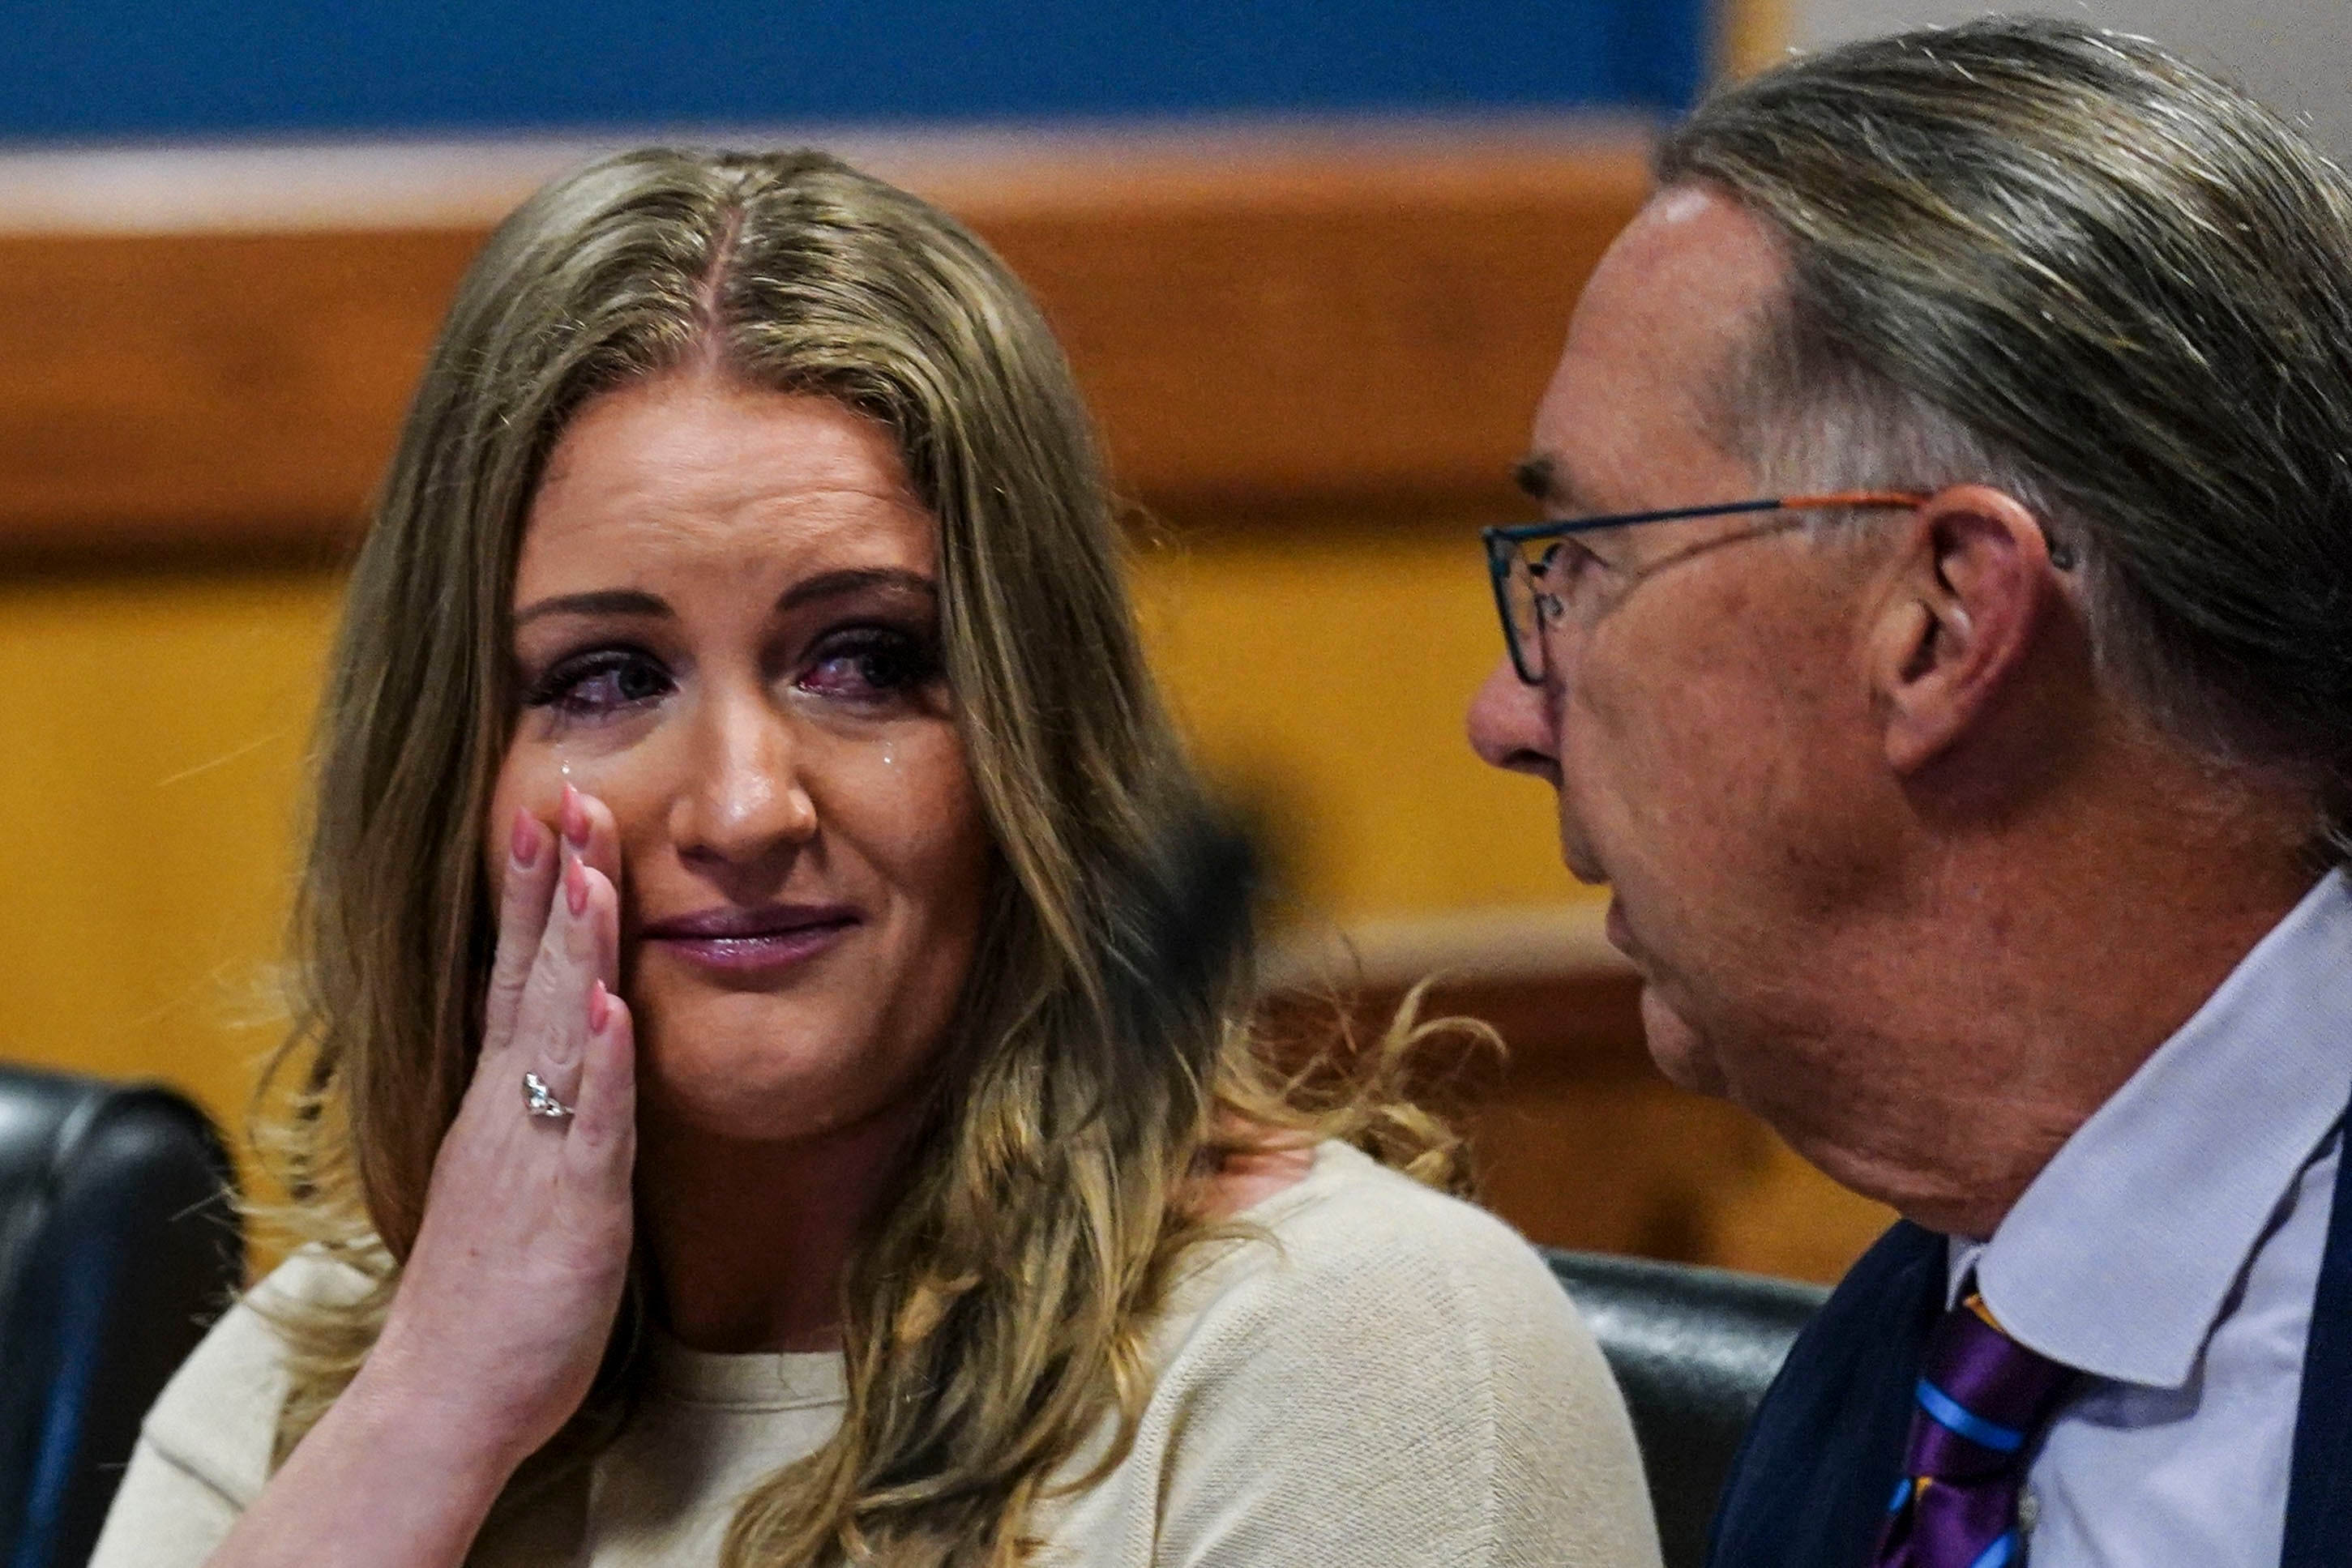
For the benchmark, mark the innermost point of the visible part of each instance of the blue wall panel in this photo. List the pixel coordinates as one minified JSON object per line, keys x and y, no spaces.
{"x":84,"y":69}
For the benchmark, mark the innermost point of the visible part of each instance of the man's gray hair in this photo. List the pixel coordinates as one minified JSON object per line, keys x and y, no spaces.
{"x":2064,"y":262}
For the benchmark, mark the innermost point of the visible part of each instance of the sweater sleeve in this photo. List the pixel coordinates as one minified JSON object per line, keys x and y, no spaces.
{"x":203,"y":1454}
{"x":164,"y":1515}
{"x":1403,"y":1384}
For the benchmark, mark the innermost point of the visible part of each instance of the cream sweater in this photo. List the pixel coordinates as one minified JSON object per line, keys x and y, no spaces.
{"x":1394,"y":1379}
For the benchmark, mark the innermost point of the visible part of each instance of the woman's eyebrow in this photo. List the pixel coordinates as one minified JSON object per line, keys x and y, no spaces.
{"x":833,"y":584}
{"x":637,"y":601}
{"x":602,"y":602}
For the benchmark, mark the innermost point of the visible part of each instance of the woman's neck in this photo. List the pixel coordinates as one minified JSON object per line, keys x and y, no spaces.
{"x":748,"y":1242}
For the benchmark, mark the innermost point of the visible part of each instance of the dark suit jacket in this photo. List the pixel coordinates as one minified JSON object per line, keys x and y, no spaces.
{"x":1810,"y":1487}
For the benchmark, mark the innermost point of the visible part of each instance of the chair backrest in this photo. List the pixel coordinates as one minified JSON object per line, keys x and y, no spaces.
{"x":1694,"y":1349}
{"x":118,"y":1244}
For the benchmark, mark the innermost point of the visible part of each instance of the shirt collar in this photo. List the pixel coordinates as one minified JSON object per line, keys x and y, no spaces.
{"x":2118,"y":1258}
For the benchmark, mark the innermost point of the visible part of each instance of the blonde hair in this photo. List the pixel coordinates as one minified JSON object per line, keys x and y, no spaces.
{"x":995,"y":1313}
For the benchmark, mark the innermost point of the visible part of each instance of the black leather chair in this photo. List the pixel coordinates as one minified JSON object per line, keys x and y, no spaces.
{"x":1694,"y":1349}
{"x":118,"y":1244}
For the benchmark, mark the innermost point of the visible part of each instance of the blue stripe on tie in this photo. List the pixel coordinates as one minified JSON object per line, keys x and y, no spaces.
{"x":1999,"y":1554}
{"x":1902,"y":1495}
{"x":1949,"y":1412}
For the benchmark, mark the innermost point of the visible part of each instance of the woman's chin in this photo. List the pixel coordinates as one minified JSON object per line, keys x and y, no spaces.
{"x":781,"y":1084}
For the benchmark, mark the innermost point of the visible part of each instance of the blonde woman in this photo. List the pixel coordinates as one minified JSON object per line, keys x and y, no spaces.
{"x":719,"y":1137}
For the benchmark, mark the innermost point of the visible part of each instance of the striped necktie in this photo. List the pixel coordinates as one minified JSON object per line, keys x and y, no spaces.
{"x":1982,"y":1402}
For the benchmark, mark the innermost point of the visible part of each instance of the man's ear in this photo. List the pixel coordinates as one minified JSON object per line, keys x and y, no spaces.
{"x":1956,"y":620}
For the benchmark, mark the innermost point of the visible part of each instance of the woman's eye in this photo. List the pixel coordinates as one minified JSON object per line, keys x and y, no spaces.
{"x":867,"y":665}
{"x":596,"y":685}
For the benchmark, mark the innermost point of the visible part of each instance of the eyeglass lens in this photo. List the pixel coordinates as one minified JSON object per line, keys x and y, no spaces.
{"x":1526,"y":613}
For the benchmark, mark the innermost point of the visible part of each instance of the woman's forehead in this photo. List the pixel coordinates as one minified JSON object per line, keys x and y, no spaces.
{"x":695,"y":475}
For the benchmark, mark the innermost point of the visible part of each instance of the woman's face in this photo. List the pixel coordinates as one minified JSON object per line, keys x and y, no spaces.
{"x":726,"y":629}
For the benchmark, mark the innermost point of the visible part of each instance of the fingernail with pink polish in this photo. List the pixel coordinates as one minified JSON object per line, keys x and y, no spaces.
{"x":575,"y":887}
{"x":524,"y":841}
{"x":575,"y":818}
{"x":600,"y":1008}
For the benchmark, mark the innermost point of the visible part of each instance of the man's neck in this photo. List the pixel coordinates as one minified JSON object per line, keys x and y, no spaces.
{"x":2031,"y":979}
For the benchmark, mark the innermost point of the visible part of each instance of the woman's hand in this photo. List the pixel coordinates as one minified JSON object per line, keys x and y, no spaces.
{"x":509,"y":1295}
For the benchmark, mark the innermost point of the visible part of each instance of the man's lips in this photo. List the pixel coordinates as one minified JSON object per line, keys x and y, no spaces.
{"x":1619,"y":936}
{"x":768,"y":936}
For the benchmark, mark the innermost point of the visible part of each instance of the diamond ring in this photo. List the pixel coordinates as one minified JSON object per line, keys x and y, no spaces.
{"x":539,"y":1099}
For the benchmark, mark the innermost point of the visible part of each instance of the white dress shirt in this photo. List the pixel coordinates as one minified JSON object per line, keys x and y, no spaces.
{"x":2170,"y":1250}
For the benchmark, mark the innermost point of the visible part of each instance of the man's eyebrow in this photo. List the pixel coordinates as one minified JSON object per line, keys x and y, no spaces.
{"x":602,"y":601}
{"x":1542,"y":481}
{"x":1533,"y":476}
{"x":834,"y":584}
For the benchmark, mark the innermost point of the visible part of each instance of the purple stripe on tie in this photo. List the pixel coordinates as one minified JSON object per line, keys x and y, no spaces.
{"x":1953,"y":1527}
{"x":1992,"y":1378}
{"x":1983,"y":1399}
{"x":1989,"y":1374}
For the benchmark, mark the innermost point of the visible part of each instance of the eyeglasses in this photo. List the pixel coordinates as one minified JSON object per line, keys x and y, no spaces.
{"x":1543,"y":579}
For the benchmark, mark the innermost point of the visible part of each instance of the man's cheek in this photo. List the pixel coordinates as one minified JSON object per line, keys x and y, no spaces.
{"x":1581,"y":795}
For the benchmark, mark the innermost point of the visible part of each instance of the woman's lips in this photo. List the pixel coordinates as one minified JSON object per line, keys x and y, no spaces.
{"x":752,"y":940}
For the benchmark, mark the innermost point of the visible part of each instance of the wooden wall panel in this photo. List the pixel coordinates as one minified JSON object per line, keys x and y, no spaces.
{"x":202,"y":391}
{"x":1272,"y":331}
{"x":1755,"y":34}
{"x":1348,"y":333}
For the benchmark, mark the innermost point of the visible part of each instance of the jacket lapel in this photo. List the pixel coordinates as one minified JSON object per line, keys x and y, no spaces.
{"x":1810,"y":1484}
{"x":2319,"y":1487}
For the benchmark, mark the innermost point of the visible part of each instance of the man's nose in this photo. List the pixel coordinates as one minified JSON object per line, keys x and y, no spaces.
{"x":1511,"y":725}
{"x":744,"y":794}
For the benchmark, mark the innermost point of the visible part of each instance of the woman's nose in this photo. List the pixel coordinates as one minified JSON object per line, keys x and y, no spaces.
{"x":743,"y":795}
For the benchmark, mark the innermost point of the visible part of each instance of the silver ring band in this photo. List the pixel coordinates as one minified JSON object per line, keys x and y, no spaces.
{"x":539,"y":1099}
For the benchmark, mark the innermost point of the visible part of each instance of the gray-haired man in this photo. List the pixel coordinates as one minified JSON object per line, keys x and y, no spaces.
{"x":1976,"y":809}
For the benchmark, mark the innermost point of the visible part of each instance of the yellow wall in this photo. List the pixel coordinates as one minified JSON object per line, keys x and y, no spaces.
{"x":154,"y":730}
{"x":1323,"y":677}
{"x":156,"y":726}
